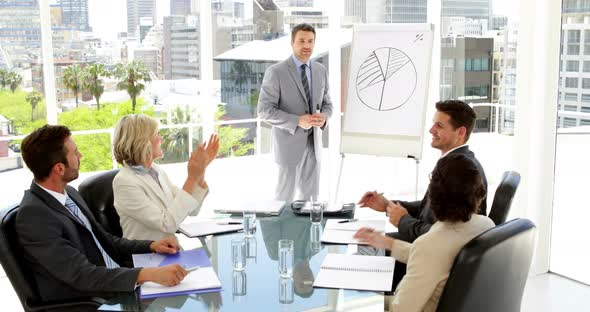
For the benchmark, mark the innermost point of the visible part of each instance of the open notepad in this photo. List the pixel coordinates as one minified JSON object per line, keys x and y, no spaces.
{"x":209,"y":227}
{"x":342,"y":233}
{"x":201,"y":280}
{"x":356,"y":272}
{"x":262,"y":207}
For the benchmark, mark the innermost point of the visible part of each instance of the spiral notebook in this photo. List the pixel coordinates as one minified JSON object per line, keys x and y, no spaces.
{"x":356,"y":272}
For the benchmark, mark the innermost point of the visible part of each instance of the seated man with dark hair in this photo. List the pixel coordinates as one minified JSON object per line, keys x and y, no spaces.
{"x":70,"y":254}
{"x":452,"y":125}
{"x":455,"y":193}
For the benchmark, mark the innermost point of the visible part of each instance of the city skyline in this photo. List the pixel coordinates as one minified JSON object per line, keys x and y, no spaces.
{"x":107,"y":29}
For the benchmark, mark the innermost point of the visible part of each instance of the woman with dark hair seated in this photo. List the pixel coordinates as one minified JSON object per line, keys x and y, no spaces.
{"x":456,"y":190}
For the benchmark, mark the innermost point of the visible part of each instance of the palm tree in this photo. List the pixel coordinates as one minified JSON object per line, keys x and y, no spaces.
{"x":3,"y":78}
{"x":14,"y":80}
{"x":33,"y":98}
{"x":92,"y":82}
{"x":132,"y":78}
{"x":72,"y":79}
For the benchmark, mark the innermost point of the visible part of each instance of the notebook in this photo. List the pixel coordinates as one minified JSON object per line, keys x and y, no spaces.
{"x":356,"y":272}
{"x":202,"y":280}
{"x":210,"y":227}
{"x":342,"y":233}
{"x":262,"y":207}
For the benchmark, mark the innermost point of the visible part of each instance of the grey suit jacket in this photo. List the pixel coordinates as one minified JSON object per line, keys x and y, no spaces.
{"x":281,"y":102}
{"x":62,"y":254}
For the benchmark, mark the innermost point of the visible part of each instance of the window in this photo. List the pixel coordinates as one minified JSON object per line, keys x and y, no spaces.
{"x":570,"y":108}
{"x":573,"y":42}
{"x":569,"y":122}
{"x":572,"y":66}
{"x":586,"y":42}
{"x":573,"y":97}
{"x":587,"y":66}
{"x":585,"y":122}
{"x":571,"y":82}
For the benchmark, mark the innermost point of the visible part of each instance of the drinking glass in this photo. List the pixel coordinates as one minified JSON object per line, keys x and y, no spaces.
{"x":316,"y":210}
{"x":285,"y":290}
{"x":238,"y":254}
{"x":249,"y":221}
{"x":286,"y":257}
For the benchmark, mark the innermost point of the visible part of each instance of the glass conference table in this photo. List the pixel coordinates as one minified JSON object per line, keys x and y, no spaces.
{"x":259,"y":286}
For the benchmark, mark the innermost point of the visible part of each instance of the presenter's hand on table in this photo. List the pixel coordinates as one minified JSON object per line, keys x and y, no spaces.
{"x":198,"y":162}
{"x":395,"y":212}
{"x":375,"y":239}
{"x":169,"y":275}
{"x":374,"y":200}
{"x":315,"y":120}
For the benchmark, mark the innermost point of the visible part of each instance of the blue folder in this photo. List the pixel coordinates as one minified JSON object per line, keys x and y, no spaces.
{"x":187,"y":259}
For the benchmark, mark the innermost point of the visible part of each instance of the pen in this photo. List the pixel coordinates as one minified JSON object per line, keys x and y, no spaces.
{"x":190,"y":269}
{"x":228,"y":223}
{"x":348,"y":220}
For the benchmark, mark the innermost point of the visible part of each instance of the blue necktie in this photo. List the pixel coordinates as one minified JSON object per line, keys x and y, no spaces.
{"x":306,"y":87}
{"x":75,"y":210}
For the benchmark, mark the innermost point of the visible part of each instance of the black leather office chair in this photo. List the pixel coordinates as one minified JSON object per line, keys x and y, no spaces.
{"x":21,"y":277}
{"x":503,"y":197}
{"x":490,"y":272}
{"x":97,"y":191}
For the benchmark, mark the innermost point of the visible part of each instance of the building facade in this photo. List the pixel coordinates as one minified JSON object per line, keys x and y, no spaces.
{"x":136,"y":9}
{"x":466,"y":74}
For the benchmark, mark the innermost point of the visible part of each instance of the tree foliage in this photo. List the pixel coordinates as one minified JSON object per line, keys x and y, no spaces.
{"x":33,"y":98}
{"x":72,"y":77}
{"x":92,"y":81}
{"x":14,"y":80}
{"x":132,"y":78}
{"x":231,"y":138}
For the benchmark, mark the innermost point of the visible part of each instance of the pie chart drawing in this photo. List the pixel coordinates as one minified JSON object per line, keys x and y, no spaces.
{"x":386,"y":80}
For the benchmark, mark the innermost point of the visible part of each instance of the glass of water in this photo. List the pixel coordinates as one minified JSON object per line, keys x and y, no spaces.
{"x":238,"y":254}
{"x":249,"y":221}
{"x":316,"y":210}
{"x":286,"y":257}
{"x":239,"y":285}
{"x":285,"y":290}
{"x":315,"y":234}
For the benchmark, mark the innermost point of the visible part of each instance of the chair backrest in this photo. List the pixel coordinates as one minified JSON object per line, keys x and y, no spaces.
{"x":13,"y":262}
{"x":97,"y":191}
{"x":503,"y":197}
{"x":490,"y":272}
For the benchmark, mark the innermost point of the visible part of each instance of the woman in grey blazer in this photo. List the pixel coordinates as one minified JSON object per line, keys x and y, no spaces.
{"x":149,"y":205}
{"x":455,"y":192}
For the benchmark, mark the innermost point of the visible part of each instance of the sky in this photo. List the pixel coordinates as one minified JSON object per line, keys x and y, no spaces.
{"x":108,"y":17}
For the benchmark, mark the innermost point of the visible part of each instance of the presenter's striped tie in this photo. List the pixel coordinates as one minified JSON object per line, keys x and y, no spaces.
{"x":306,"y":87}
{"x":75,"y":210}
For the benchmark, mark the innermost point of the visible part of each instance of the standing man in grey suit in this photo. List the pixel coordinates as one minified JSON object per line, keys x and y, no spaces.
{"x":295,"y":100}
{"x":70,"y":254}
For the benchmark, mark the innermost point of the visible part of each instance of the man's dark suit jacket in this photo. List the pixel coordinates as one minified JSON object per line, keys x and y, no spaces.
{"x":62,"y":253}
{"x":421,"y":218}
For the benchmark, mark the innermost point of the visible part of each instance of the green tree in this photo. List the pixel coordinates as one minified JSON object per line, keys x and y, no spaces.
{"x":231,"y":139}
{"x":96,"y":148}
{"x":175,"y":140}
{"x":33,"y":98}
{"x":3,"y":78}
{"x":132,"y":78}
{"x":14,"y":81}
{"x":92,"y":81}
{"x":73,"y":79}
{"x":15,"y":107}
